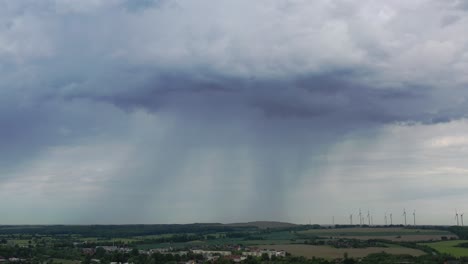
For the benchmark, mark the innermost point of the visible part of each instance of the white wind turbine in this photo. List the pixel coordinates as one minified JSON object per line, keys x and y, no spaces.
{"x":404,"y":214}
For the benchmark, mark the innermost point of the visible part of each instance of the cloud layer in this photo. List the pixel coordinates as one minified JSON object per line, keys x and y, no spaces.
{"x":179,"y":111}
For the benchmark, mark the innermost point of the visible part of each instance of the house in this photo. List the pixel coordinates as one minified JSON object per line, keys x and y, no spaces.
{"x":269,"y":252}
{"x":236,"y":258}
{"x":88,"y":251}
{"x":210,"y":252}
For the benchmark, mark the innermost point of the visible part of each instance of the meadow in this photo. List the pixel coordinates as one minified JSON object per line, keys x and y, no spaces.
{"x":391,"y":233}
{"x":327,"y":252}
{"x":449,"y":247}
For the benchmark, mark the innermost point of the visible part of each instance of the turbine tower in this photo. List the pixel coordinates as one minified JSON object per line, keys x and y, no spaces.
{"x":385,"y":218}
{"x":368,"y":217}
{"x":414,"y":217}
{"x":351,"y":219}
{"x":391,"y":219}
{"x":456,"y":217}
{"x":404,"y":214}
{"x":360,"y":217}
{"x":461,"y":216}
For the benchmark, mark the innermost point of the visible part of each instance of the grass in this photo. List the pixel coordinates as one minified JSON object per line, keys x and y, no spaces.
{"x":95,"y":239}
{"x":449,"y":247}
{"x":373,"y":232}
{"x":328,"y":252}
{"x":392,"y":234}
{"x":19,"y":242}
{"x":222,"y":241}
{"x":65,"y":261}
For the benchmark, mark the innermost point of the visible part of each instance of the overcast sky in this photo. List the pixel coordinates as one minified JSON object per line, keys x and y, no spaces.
{"x":178,"y":111}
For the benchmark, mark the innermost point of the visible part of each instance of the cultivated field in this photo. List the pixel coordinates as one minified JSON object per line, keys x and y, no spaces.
{"x":310,"y":251}
{"x":449,"y":247}
{"x":393,"y":234}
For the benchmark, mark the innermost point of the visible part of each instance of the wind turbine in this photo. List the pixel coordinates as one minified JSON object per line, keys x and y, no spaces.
{"x":360,"y":217}
{"x":456,"y":217}
{"x":368,"y":217}
{"x":404,"y":214}
{"x":351,"y":219}
{"x":385,"y":218}
{"x":391,"y":219}
{"x":461,"y":216}
{"x":414,"y":217}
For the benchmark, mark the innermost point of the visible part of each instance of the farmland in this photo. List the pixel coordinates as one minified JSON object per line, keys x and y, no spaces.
{"x":449,"y":247}
{"x":392,"y":234}
{"x":327,"y":252}
{"x":70,"y":244}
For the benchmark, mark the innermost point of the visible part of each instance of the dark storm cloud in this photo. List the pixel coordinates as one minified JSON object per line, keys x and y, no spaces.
{"x":215,"y":97}
{"x":332,"y":95}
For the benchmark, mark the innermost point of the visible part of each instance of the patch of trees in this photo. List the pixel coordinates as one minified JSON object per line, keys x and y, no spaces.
{"x":171,"y":239}
{"x":463,"y":245}
{"x":27,"y":253}
{"x":384,"y":258}
{"x":460,"y":231}
{"x":346,"y":243}
{"x":121,"y":230}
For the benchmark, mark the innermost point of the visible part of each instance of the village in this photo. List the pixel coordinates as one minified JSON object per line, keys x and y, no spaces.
{"x":234,"y":253}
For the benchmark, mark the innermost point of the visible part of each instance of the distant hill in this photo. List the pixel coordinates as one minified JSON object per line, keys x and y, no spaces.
{"x":263,"y":224}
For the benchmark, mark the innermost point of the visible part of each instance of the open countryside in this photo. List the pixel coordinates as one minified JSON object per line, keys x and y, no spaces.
{"x":254,"y":242}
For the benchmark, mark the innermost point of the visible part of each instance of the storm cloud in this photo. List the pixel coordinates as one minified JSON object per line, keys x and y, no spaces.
{"x":179,"y":111}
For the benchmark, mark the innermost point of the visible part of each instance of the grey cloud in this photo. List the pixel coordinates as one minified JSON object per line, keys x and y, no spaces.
{"x":449,"y":20}
{"x":237,"y":97}
{"x":462,"y":4}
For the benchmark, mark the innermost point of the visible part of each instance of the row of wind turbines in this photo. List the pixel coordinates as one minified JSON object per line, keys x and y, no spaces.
{"x":370,"y":221}
{"x":388,"y":219}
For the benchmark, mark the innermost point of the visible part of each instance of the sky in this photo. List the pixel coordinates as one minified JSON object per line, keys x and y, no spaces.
{"x":182,"y":111}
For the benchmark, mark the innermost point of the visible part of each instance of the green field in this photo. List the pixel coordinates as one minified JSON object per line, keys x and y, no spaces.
{"x":117,"y":239}
{"x":390,"y":233}
{"x":221,"y":241}
{"x":65,"y":261}
{"x":396,"y":234}
{"x":449,"y":247}
{"x":310,"y":251}
{"x":373,"y":231}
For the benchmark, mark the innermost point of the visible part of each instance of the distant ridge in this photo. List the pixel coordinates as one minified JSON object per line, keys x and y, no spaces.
{"x":263,"y":224}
